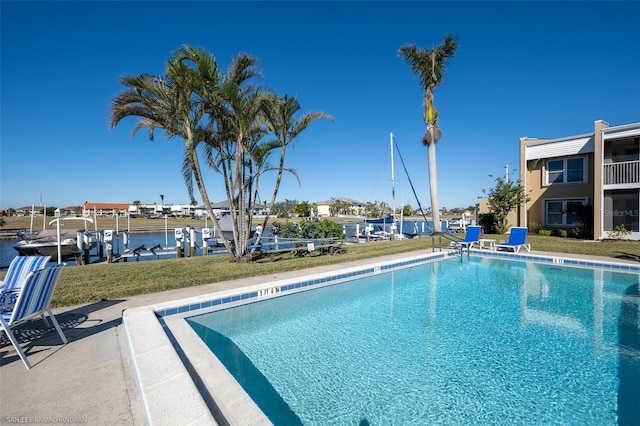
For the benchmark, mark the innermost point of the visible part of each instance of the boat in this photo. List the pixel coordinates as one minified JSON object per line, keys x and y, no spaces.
{"x":45,"y":243}
{"x":380,"y":220}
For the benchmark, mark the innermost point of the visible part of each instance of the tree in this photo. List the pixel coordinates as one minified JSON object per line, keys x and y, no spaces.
{"x":338,"y":207}
{"x":169,"y":103}
{"x":430,"y":65}
{"x":284,"y":209}
{"x":303,"y":209}
{"x":280,"y":116}
{"x":219,"y":114}
{"x":502,"y":198}
{"x":376,"y":209}
{"x":189,"y":102}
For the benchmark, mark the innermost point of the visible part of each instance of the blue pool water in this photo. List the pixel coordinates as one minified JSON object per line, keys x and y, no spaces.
{"x":486,"y":341}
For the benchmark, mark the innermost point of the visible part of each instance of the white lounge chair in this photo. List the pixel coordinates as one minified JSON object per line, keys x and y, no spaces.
{"x":33,"y":299}
{"x":517,"y":240}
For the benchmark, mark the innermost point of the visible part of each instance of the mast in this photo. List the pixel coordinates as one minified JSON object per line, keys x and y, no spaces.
{"x":393,"y":180}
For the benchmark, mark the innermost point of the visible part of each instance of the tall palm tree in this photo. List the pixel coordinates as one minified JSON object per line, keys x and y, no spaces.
{"x":234,"y":144}
{"x":171,"y":103}
{"x":280,"y":116}
{"x":429,"y":65}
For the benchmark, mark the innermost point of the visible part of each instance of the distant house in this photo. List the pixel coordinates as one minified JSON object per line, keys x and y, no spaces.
{"x":104,"y":209}
{"x":221,"y":208}
{"x":70,"y":210}
{"x":353,"y":207}
{"x":26,"y":211}
{"x":599,"y":170}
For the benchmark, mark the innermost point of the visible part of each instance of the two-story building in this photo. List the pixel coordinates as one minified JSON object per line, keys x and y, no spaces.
{"x":351,"y":207}
{"x":598,"y":170}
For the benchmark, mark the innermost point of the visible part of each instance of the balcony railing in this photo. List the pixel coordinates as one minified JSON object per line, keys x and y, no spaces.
{"x":625,"y":172}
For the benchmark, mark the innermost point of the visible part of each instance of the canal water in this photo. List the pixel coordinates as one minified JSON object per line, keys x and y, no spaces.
{"x":151,"y":239}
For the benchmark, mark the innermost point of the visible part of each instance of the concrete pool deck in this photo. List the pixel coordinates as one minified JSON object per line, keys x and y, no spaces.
{"x":91,"y":380}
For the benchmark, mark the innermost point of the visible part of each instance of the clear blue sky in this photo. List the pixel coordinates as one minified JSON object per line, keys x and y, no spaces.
{"x":536,"y":69}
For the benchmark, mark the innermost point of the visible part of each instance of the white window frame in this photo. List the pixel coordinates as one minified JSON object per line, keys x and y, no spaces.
{"x":565,"y":161}
{"x":564,"y":202}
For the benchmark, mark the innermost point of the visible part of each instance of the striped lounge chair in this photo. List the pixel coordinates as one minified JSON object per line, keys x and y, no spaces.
{"x":19,"y":268}
{"x":33,"y":299}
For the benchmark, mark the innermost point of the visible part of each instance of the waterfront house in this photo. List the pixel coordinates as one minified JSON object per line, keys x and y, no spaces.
{"x":599,"y":170}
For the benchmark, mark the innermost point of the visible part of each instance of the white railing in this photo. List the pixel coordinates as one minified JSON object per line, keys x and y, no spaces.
{"x":621,"y":173}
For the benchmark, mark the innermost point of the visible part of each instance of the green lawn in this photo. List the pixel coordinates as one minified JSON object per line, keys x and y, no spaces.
{"x":92,"y":283}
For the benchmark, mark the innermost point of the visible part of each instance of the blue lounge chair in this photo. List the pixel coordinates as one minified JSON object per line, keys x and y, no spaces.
{"x":517,"y":240}
{"x":33,"y":299}
{"x":19,"y":268}
{"x":471,"y":237}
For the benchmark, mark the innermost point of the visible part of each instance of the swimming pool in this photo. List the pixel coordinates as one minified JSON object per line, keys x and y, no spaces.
{"x":441,"y":342}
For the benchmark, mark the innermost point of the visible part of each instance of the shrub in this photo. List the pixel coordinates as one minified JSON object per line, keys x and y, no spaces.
{"x":286,"y":229}
{"x":544,"y":232}
{"x":489,"y":223}
{"x":536,"y":226}
{"x":324,"y":229}
{"x":563,"y":233}
{"x":308,"y":229}
{"x":619,"y":232}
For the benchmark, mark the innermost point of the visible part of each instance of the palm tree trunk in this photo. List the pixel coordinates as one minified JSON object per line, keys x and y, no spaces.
{"x":195,"y":166}
{"x":433,"y":186}
{"x":275,"y":191}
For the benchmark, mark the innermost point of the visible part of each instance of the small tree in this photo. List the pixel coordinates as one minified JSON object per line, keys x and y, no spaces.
{"x":303,"y":209}
{"x":503,"y":198}
{"x":284,"y":209}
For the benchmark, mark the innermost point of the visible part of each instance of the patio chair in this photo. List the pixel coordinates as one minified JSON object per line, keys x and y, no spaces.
{"x":19,"y":268}
{"x":517,"y":240}
{"x":33,"y":299}
{"x":471,"y":237}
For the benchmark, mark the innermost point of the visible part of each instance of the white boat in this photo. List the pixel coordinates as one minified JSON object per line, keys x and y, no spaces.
{"x":45,"y":242}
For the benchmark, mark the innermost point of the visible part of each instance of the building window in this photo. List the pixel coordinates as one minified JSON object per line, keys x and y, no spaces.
{"x":568,"y":170}
{"x":622,"y":207}
{"x":563,"y":212}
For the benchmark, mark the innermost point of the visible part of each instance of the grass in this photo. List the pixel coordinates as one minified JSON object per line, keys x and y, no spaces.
{"x":93,"y":283}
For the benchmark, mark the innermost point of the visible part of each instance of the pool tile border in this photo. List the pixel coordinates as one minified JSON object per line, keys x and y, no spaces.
{"x":254,"y":295}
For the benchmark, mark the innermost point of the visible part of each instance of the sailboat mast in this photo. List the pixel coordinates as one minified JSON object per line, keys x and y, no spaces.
{"x":393,"y":180}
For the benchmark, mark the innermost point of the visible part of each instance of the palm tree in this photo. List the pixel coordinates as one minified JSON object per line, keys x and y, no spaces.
{"x":170,"y":103}
{"x":280,"y":118}
{"x":429,"y":65}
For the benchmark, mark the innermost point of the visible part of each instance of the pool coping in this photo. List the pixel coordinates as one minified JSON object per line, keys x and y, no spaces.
{"x":170,"y":360}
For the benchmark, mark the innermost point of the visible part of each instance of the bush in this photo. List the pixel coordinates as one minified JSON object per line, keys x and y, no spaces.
{"x":544,"y":232}
{"x":324,"y":229}
{"x":535,"y":226}
{"x":619,"y":232}
{"x":286,"y":229}
{"x":308,"y":229}
{"x":563,"y":233}
{"x":489,"y":223}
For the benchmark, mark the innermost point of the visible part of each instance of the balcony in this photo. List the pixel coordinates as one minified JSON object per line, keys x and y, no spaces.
{"x":622,"y":173}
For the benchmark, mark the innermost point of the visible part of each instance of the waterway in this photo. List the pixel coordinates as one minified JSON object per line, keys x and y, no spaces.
{"x":167,"y":240}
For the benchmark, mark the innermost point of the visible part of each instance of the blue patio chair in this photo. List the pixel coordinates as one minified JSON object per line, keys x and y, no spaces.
{"x":517,"y":240}
{"x":19,"y":268}
{"x":471,"y":237}
{"x":33,"y":299}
